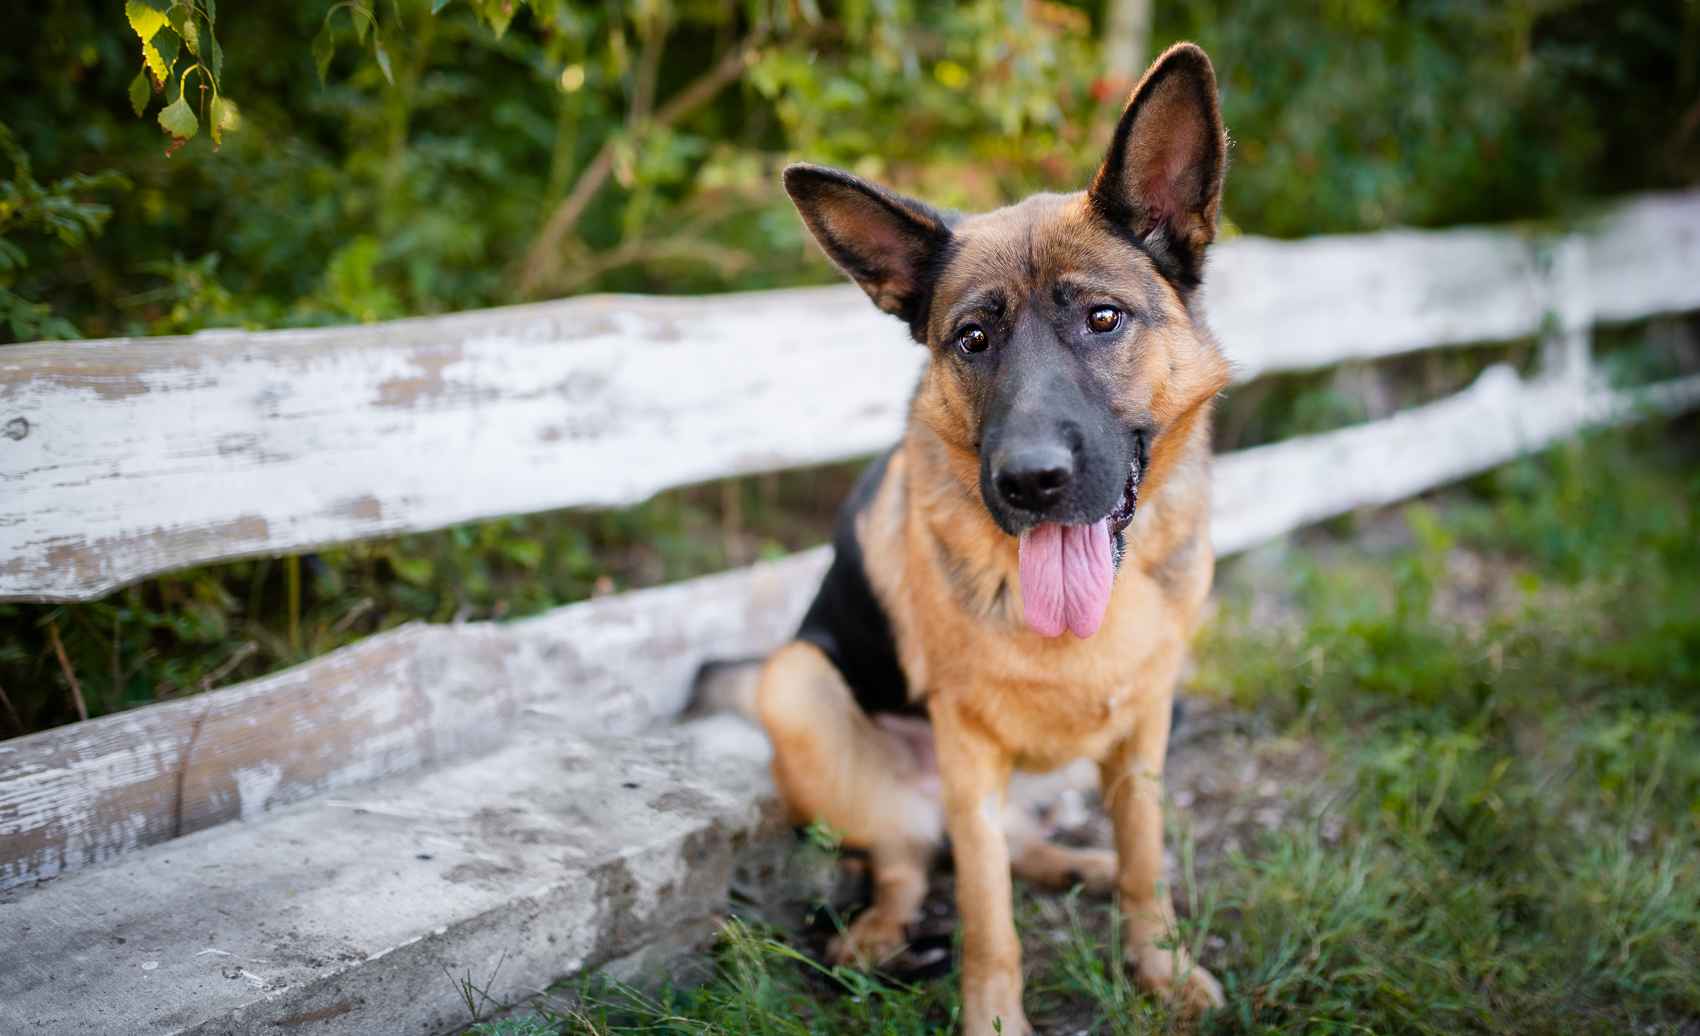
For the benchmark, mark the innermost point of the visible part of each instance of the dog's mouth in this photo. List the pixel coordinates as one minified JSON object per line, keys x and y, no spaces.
{"x":1067,"y":570}
{"x":1121,"y":516}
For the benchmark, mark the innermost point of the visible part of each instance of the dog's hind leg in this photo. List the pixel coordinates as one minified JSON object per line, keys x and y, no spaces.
{"x":881,"y":930}
{"x":835,"y":766}
{"x":1053,"y":866}
{"x":1032,"y":856}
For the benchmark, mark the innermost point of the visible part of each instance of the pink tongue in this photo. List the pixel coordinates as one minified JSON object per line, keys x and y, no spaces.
{"x":1065,"y":577}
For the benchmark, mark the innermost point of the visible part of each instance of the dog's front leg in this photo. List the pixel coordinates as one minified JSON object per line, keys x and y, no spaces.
{"x":1132,"y":782}
{"x":975,"y":774}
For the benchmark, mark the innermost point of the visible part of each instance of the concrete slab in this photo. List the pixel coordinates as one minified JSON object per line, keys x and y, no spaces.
{"x":381,"y":911}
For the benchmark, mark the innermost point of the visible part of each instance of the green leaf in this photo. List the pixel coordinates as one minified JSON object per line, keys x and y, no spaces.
{"x":383,"y":57}
{"x":12,"y":257}
{"x":183,"y":24}
{"x":215,"y":55}
{"x":140,"y":91}
{"x":497,"y":14}
{"x":168,"y":47}
{"x":361,"y":15}
{"x":438,"y":5}
{"x":417,"y":571}
{"x":178,"y":119}
{"x":324,"y":49}
{"x":222,"y":115}
{"x":145,"y":18}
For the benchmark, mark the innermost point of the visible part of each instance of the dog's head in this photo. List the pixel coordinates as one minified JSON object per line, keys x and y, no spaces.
{"x":1065,"y":356}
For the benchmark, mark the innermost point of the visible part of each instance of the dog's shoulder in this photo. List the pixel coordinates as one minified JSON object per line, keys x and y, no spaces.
{"x":846,"y":620}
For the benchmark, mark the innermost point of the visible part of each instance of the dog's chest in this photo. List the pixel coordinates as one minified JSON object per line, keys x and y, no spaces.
{"x":1050,"y":701}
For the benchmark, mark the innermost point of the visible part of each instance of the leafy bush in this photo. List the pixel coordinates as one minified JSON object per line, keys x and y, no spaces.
{"x":421,"y":157}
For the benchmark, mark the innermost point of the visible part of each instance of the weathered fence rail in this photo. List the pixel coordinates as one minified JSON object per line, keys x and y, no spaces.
{"x":120,"y":459}
{"x":126,"y":458}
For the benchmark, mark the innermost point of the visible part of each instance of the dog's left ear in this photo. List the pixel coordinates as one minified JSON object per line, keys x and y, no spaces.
{"x":1162,"y":178}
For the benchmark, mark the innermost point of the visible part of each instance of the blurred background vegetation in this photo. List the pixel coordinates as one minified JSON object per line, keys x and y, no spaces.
{"x":381,"y":158}
{"x":458,"y":154}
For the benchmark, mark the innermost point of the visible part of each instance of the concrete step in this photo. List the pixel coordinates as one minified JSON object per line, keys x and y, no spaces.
{"x":378,"y":912}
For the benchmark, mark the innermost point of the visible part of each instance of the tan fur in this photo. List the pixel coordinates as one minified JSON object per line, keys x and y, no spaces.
{"x":999,"y":696}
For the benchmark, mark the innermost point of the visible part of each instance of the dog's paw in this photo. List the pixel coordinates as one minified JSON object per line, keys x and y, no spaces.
{"x":871,"y":940}
{"x":1095,"y":870}
{"x":1172,"y":975}
{"x":990,"y":1020}
{"x":991,"y":1005}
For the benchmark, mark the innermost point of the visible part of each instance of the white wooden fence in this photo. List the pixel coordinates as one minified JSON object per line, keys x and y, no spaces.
{"x":125,"y":458}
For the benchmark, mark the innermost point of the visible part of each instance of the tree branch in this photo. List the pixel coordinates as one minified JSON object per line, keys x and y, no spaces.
{"x":673,"y":248}
{"x":17,"y":720}
{"x":70,"y":674}
{"x":542,"y":260}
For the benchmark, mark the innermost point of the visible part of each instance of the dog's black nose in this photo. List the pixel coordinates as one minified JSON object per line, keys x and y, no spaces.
{"x":1034,"y":478}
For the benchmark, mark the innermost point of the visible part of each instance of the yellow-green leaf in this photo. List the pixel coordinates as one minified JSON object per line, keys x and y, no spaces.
{"x":154,"y":62}
{"x":140,"y":91}
{"x":144,"y":18}
{"x":178,"y":119}
{"x":183,"y":23}
{"x":362,"y":18}
{"x":222,"y":116}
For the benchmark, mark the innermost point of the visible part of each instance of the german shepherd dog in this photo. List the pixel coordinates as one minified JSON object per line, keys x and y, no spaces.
{"x":1024,"y":571}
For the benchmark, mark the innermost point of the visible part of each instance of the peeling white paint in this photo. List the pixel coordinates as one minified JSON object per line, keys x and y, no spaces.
{"x":1263,"y":492}
{"x":254,"y":787}
{"x":421,"y":694}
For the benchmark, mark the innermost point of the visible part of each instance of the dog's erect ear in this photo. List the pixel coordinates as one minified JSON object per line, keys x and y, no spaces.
{"x":1162,"y":178}
{"x":887,"y":243}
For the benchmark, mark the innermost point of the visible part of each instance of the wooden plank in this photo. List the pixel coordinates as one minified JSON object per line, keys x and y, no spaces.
{"x":133,"y":457}
{"x":1302,"y":305}
{"x":397,"y":702}
{"x":121,"y":459}
{"x":1266,"y":491}
{"x":1643,"y":259}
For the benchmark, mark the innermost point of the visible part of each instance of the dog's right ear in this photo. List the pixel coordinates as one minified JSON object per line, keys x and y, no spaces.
{"x":887,"y":243}
{"x":1162,"y":177}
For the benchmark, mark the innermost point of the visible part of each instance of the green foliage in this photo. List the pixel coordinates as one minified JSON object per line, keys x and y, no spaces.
{"x":453,"y":135}
{"x":173,"y":29}
{"x":57,"y":213}
{"x":1365,"y":113}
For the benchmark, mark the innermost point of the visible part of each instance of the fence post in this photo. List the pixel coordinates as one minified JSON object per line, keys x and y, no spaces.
{"x":1566,"y":353}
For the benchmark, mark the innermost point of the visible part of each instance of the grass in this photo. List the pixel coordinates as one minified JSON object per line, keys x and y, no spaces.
{"x":1506,"y":691}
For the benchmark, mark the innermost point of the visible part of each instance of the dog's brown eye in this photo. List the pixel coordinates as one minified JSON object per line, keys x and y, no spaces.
{"x":972,"y":339}
{"x":1104,"y":319}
